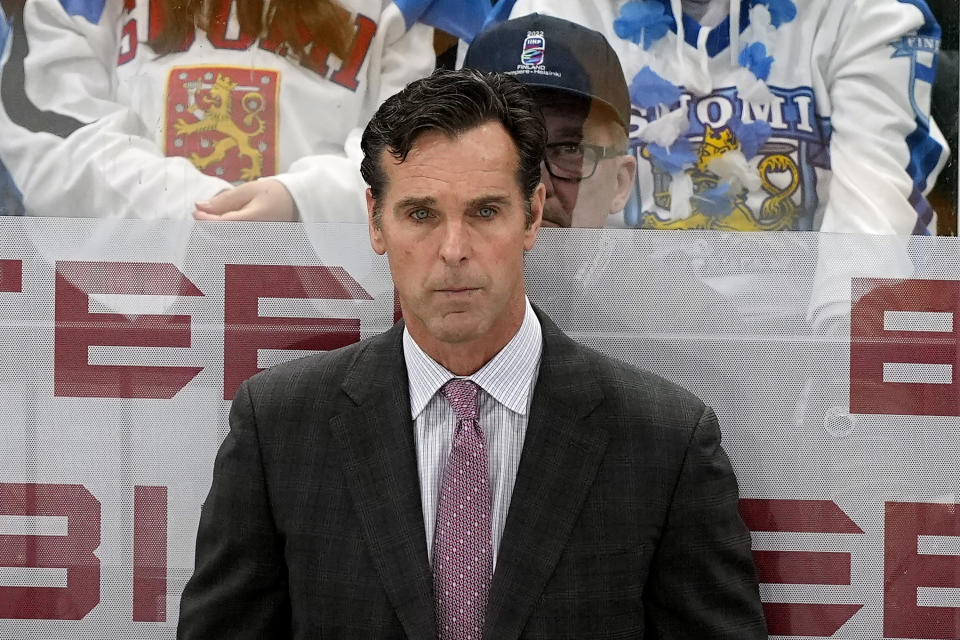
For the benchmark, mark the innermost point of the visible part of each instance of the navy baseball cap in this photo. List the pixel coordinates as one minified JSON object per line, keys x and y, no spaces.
{"x":550,"y":53}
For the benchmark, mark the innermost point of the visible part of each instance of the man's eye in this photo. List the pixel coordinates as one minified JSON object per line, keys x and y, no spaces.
{"x":419,"y":214}
{"x":569,"y":149}
{"x":486,"y":212}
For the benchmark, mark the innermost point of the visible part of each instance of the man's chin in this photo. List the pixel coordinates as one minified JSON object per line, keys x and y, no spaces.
{"x":457,"y":327}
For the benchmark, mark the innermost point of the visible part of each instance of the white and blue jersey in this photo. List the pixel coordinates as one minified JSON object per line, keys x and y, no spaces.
{"x":95,"y":124}
{"x":804,"y":115}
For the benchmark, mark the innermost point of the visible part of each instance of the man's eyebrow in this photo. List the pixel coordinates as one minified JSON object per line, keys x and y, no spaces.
{"x":412,"y":202}
{"x":569,"y":132}
{"x":501,"y":200}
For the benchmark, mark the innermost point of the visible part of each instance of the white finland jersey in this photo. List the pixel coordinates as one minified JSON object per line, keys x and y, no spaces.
{"x":95,"y":124}
{"x":845,"y":140}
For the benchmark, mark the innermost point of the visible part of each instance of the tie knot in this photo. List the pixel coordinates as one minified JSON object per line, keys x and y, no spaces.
{"x":462,"y":395}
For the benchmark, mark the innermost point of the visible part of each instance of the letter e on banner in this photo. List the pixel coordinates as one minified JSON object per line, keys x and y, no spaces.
{"x":77,"y":329}
{"x":801,"y":567}
{"x":245,"y":331}
{"x":906,"y":569}
{"x":904,"y":353}
{"x":73,"y":552}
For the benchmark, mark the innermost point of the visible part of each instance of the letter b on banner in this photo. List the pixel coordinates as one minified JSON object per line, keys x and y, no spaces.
{"x":73,"y":552}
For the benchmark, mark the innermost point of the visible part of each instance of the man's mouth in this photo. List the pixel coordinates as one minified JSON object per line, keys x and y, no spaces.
{"x":455,"y":291}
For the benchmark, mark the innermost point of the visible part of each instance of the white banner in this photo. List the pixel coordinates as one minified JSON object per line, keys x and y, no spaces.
{"x":831,"y":360}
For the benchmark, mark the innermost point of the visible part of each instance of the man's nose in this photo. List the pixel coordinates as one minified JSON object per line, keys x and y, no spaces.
{"x":455,"y":243}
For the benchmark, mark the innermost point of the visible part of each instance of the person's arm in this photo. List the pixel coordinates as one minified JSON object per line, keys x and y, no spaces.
{"x":328,"y":187}
{"x":71,"y":147}
{"x":239,"y":584}
{"x":885,"y":150}
{"x":703,"y":583}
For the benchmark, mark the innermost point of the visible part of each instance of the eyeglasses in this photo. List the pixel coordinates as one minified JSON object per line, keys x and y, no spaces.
{"x":576,"y":161}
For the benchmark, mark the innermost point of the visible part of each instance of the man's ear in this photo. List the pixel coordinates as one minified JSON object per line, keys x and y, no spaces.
{"x":626,"y":175}
{"x":536,"y":216}
{"x":373,"y":226}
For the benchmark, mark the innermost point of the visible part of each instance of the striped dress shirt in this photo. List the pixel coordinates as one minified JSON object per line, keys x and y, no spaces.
{"x":506,"y":388}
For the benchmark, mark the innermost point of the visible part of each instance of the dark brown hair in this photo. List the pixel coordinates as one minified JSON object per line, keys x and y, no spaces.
{"x":454,"y":102}
{"x":298,"y":24}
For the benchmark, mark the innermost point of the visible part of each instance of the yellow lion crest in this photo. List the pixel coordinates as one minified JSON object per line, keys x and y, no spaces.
{"x":218,"y":117}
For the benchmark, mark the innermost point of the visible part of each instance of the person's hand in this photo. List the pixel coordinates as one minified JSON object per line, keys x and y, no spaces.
{"x":266,"y":200}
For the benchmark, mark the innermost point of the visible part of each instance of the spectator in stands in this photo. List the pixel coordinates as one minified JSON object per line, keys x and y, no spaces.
{"x":142,"y":109}
{"x":579,"y":85}
{"x":769,"y":115}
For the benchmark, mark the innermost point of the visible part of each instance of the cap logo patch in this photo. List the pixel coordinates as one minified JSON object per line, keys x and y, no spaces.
{"x":533,"y":48}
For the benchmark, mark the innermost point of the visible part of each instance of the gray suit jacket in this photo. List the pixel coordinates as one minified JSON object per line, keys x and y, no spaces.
{"x":623,"y":521}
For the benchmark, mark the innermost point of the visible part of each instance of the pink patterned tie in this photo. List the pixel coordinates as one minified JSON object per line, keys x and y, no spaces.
{"x":462,"y":548}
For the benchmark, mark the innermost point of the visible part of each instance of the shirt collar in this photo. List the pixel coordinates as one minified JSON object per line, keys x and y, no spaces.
{"x":507,"y":376}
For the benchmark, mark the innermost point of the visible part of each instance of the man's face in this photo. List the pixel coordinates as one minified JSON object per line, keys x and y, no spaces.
{"x":587,"y":203}
{"x":453,"y":226}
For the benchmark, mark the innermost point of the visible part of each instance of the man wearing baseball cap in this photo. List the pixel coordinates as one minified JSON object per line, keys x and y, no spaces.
{"x":580,"y":86}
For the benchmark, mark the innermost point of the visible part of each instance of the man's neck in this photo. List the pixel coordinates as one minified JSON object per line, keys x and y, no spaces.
{"x":462,"y":359}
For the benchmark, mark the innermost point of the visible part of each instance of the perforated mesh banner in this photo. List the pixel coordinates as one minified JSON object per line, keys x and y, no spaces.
{"x":831,"y":360}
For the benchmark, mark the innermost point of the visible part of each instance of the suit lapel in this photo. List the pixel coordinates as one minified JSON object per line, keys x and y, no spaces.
{"x":557,"y":468}
{"x":380,"y":466}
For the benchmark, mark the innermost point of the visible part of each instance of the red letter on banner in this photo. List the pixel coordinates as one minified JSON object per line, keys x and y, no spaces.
{"x":73,"y":552}
{"x":871,"y":346}
{"x":77,"y":329}
{"x":11,"y":276}
{"x":149,"y":554}
{"x":801,"y":567}
{"x":905,"y":569}
{"x":245,"y":331}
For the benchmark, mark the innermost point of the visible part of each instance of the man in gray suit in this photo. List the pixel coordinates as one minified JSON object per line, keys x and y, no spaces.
{"x":472,"y":472}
